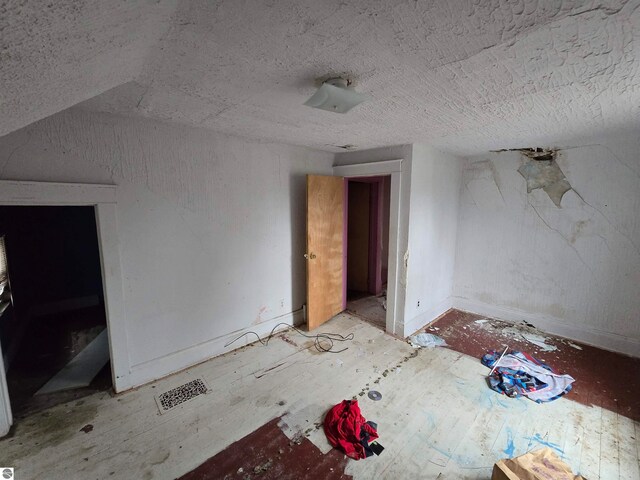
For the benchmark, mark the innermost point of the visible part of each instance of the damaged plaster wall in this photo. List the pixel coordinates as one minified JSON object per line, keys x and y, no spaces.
{"x":433,"y":224}
{"x":575,"y":270}
{"x":542,"y":171}
{"x":211,"y":227}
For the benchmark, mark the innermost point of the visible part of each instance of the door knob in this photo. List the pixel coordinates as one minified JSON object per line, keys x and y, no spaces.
{"x":309,"y":256}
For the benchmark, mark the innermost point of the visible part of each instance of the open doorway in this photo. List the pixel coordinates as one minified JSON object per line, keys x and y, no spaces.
{"x":53,"y":326}
{"x":368,"y":210}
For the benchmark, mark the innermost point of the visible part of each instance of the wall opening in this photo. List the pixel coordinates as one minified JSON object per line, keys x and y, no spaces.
{"x":53,"y":329}
{"x":367,"y":224}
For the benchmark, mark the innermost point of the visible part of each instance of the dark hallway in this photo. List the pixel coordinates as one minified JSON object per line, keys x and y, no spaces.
{"x":56,"y":307}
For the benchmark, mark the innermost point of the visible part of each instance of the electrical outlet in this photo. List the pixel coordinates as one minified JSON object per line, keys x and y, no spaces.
{"x":418,"y":303}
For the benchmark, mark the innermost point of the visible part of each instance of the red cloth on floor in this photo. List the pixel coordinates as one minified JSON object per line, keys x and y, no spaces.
{"x":343,"y":425}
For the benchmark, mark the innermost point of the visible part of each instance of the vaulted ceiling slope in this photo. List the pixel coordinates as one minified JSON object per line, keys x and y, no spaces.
{"x":56,"y":53}
{"x":464,"y":75}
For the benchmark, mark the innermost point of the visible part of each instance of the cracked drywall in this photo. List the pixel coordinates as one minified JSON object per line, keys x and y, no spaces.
{"x":532,"y":255}
{"x":483,"y":184}
{"x":463,"y":76}
{"x":542,"y":171}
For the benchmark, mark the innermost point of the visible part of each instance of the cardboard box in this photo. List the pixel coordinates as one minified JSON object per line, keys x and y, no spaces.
{"x":542,"y":464}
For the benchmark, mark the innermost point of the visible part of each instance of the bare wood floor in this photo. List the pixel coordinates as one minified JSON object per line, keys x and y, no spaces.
{"x":370,"y":309}
{"x":606,"y":379}
{"x":437,"y":418}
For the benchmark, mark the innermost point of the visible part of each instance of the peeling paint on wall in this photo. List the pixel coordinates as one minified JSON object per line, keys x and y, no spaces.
{"x":405,"y":269}
{"x":542,"y":171}
{"x":576,"y":268}
{"x":536,"y":153}
{"x":484,"y":185}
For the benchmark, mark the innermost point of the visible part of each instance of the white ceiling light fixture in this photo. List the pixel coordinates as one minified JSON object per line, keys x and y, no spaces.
{"x":336,"y":95}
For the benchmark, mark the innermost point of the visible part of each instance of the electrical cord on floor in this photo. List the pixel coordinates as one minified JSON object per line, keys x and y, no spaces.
{"x":318,"y":338}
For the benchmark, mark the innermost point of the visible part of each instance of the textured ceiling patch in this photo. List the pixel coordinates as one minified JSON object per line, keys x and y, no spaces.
{"x":464,"y":76}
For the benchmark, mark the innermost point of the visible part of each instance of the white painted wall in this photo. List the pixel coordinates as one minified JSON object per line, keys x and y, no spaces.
{"x":428,"y":224}
{"x":212,"y":227}
{"x":573,"y":271}
{"x":433,"y":224}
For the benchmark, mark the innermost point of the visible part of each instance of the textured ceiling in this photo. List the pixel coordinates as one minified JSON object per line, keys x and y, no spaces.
{"x":465,"y":76}
{"x":57,"y":53}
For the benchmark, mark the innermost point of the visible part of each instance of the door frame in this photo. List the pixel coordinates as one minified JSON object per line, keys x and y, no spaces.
{"x":391,"y":168}
{"x":104,"y":200}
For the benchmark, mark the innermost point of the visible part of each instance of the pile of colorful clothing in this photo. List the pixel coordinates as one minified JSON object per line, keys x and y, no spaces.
{"x":519,"y":373}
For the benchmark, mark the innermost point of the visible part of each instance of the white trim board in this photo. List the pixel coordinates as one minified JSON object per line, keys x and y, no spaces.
{"x":146,"y":372}
{"x":385,"y":167}
{"x":35,"y":193}
{"x":554,"y":326}
{"x":103,"y":199}
{"x":394,"y":169}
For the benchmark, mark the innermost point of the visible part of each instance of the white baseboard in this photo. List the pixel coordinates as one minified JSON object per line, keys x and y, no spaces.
{"x":174,"y":362}
{"x":553,"y":325}
{"x":419,"y":321}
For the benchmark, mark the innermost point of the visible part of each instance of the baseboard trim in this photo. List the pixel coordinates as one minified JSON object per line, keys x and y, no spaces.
{"x":425,"y":318}
{"x":553,"y":325}
{"x":160,"y":367}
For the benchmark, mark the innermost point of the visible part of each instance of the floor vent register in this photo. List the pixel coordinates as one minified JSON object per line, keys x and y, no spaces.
{"x":177,"y":396}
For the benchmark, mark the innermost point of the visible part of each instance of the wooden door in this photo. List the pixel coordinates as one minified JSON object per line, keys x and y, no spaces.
{"x":325,"y":229}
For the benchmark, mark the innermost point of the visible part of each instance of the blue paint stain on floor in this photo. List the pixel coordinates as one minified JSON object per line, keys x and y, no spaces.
{"x":509,"y":451}
{"x":537,"y":438}
{"x":431,"y":421}
{"x":462,"y":460}
{"x":490,"y":400}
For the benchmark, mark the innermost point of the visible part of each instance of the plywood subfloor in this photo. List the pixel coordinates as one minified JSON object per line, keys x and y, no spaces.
{"x":606,"y":379}
{"x":437,"y":418}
